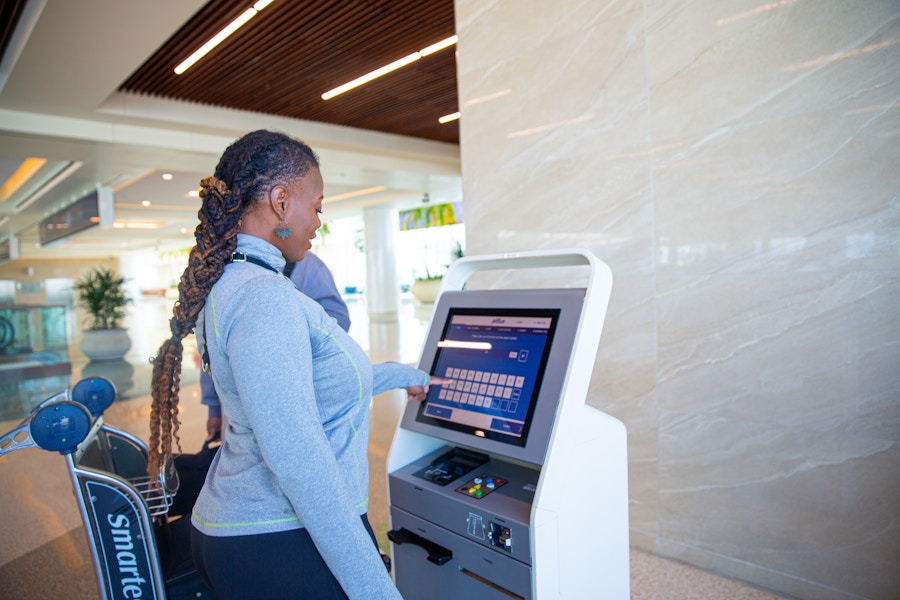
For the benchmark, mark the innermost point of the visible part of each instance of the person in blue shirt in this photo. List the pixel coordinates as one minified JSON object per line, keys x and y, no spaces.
{"x":282,"y":513}
{"x":312,"y":277}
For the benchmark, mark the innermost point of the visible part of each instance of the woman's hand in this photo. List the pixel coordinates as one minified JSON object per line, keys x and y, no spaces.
{"x":213,"y":429}
{"x":420,"y":391}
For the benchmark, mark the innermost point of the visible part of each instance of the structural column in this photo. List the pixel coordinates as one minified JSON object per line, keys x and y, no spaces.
{"x":382,"y":284}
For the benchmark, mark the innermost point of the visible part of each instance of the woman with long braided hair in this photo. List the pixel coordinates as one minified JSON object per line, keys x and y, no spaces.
{"x":282,"y":513}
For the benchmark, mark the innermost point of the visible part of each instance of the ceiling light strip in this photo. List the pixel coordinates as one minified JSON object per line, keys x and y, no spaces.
{"x":221,"y":36}
{"x":118,"y":187}
{"x":120,"y":224}
{"x":370,"y":76}
{"x":355,"y":194}
{"x":155,"y":207}
{"x":439,"y":46}
{"x":67,"y":170}
{"x":26,"y":169}
{"x":391,"y":67}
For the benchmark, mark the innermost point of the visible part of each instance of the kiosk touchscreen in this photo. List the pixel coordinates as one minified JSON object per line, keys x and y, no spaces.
{"x":506,"y":354}
{"x":503,"y":483}
{"x":495,"y":362}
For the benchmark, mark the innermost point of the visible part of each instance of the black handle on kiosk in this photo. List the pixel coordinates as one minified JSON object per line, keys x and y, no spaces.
{"x":436,"y":554}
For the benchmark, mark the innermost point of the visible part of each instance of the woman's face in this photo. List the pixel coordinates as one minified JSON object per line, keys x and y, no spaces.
{"x":302,"y":214}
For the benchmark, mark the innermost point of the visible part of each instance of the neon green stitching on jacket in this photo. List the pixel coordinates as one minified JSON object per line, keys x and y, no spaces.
{"x":212,"y":309}
{"x":360,"y":493}
{"x":271,"y":522}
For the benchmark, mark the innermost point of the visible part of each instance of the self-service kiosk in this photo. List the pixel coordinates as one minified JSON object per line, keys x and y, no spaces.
{"x":504,"y":483}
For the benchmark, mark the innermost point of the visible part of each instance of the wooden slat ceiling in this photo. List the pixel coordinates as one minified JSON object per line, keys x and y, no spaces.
{"x":10,"y":12}
{"x":293,"y":51}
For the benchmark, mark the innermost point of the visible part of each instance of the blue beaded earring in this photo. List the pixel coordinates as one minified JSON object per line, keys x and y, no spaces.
{"x":283,"y":233}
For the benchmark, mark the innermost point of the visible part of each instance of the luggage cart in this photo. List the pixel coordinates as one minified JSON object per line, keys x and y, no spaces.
{"x":136,"y":550}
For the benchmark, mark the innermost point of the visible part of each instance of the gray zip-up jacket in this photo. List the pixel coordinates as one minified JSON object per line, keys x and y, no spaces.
{"x":295,"y":389}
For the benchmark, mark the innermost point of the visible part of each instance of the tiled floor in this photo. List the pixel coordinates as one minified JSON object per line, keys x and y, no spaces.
{"x":44,"y":554}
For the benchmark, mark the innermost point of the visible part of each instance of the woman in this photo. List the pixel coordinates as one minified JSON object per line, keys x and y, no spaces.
{"x":283,"y":511}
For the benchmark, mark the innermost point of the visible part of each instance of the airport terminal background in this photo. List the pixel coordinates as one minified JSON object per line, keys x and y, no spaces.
{"x":734,"y":162}
{"x":44,"y":553}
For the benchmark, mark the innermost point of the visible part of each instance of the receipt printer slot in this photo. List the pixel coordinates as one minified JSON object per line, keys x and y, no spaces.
{"x":436,"y":554}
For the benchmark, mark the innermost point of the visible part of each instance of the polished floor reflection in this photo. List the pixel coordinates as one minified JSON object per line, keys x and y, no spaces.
{"x":44,"y":553}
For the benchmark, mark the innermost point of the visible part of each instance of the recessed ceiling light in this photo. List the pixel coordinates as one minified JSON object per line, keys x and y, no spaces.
{"x":145,"y":203}
{"x":167,"y":176}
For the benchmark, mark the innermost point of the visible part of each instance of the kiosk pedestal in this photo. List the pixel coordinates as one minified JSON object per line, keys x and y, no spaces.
{"x":504,"y":483}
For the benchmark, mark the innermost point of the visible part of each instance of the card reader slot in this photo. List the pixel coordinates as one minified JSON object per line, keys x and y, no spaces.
{"x":436,"y":554}
{"x":452,"y":465}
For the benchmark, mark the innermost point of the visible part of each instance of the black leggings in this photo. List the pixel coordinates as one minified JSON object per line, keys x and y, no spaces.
{"x":268,"y":566}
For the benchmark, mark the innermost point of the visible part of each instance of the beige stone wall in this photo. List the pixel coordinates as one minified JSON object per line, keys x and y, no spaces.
{"x":735,"y":163}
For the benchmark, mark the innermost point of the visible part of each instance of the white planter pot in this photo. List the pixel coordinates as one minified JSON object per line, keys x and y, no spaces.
{"x":120,"y":372}
{"x":105,"y":344}
{"x":426,"y":290}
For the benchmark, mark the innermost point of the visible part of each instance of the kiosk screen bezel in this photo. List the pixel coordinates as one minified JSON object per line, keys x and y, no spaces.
{"x":491,"y":422}
{"x":565,"y":306}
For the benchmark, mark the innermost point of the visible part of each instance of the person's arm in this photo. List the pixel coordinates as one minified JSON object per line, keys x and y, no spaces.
{"x":393,"y":375}
{"x":312,"y":277}
{"x":210,"y":398}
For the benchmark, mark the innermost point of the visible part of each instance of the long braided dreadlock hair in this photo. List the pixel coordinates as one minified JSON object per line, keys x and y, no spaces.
{"x":248,"y":169}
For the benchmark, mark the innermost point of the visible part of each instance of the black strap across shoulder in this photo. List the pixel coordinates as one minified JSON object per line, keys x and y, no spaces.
{"x":235,"y":257}
{"x":243,"y":257}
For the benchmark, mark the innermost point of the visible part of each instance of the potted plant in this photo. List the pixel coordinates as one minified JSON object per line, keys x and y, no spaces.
{"x":101,"y":293}
{"x":426,"y":289}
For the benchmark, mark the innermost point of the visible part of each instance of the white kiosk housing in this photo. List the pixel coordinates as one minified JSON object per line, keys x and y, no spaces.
{"x":505,"y":483}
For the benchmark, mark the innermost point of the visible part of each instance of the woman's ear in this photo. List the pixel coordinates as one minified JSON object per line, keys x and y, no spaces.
{"x":278,"y":200}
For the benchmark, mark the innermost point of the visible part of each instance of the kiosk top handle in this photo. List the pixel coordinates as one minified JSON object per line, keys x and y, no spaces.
{"x":460,"y":271}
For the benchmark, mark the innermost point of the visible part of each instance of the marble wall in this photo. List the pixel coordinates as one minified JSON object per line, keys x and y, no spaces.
{"x":737,"y":164}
